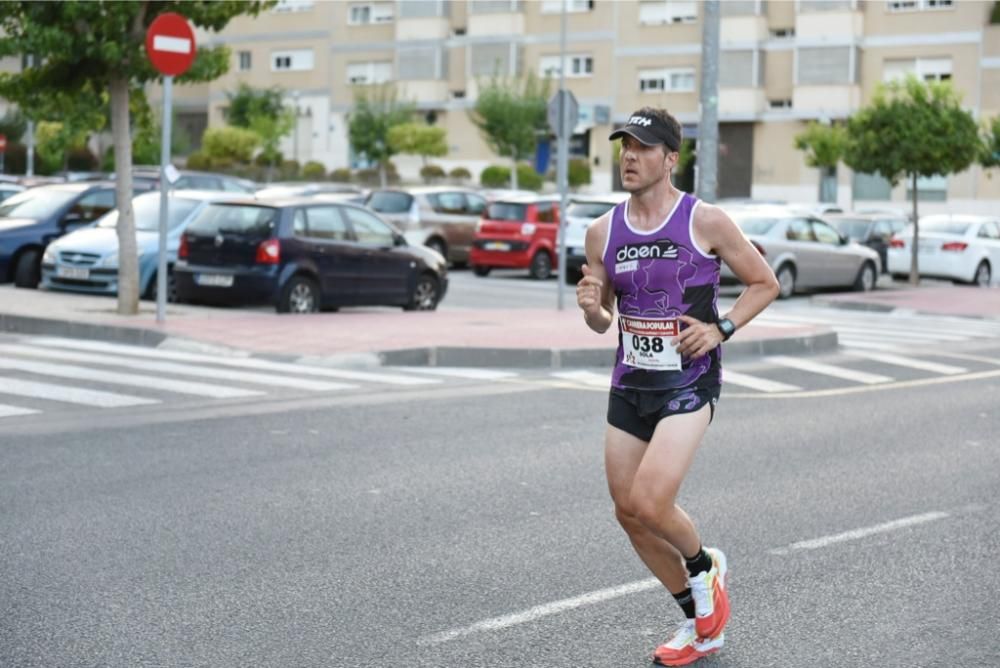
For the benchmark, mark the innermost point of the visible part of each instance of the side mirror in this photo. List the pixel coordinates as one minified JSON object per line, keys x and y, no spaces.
{"x":398,"y":240}
{"x":844,"y":240}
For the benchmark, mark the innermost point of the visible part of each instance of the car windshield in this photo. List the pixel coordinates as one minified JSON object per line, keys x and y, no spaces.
{"x":855,"y":229}
{"x":506,"y":211}
{"x":756,"y":225}
{"x":245,"y":219}
{"x":588,"y":209}
{"x":390,"y":201}
{"x":944,"y":226}
{"x":36,"y":203}
{"x":147,"y":212}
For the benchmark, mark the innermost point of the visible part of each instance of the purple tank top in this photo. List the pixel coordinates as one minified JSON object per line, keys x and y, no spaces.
{"x":658,"y":276}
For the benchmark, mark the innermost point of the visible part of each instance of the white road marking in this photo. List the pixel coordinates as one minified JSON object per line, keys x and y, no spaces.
{"x":238,"y":362}
{"x":828,"y":370}
{"x":923,"y":365}
{"x":131,"y":379}
{"x":540,"y":611}
{"x":13,"y":411}
{"x":589,"y":378}
{"x":824,"y":541}
{"x":462,"y":372}
{"x":849,"y":342}
{"x":181,"y":369}
{"x":755,"y":383}
{"x":70,"y":395}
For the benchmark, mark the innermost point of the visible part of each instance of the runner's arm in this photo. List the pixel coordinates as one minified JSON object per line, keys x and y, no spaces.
{"x":717,"y":232}
{"x":593,"y":292}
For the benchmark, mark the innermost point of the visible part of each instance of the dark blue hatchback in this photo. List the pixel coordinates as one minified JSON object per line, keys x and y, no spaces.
{"x":303,"y":256}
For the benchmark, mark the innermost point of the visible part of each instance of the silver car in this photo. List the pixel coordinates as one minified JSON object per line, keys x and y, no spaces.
{"x":441,"y":217}
{"x":804,"y":251}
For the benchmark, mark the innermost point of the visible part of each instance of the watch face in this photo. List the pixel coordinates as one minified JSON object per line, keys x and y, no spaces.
{"x":727,"y":327}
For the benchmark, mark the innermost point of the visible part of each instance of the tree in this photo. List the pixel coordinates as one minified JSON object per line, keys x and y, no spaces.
{"x":419,"y":139}
{"x":510,"y":114}
{"x":990,"y":156}
{"x":248,"y":102}
{"x":376,"y":110}
{"x":824,"y":148}
{"x":271,"y":128}
{"x":13,"y":125}
{"x":912,"y":129}
{"x":85,"y":50}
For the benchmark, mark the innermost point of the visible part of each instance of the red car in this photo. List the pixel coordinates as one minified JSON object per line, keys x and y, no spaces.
{"x":518,"y":233}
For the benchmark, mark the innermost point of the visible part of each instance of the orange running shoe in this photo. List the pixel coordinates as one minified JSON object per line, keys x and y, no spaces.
{"x":686,"y":647}
{"x":711,"y":598}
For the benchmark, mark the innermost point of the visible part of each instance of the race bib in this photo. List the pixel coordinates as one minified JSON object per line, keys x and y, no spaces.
{"x":646,"y":343}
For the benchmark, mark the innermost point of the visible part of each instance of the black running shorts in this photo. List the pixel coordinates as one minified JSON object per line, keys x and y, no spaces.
{"x":638,"y":412}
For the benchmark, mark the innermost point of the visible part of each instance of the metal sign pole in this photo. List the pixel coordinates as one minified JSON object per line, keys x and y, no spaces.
{"x":564,"y":130}
{"x":161,"y":267}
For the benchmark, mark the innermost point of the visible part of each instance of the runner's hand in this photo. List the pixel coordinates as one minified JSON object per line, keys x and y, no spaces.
{"x":698,"y":338}
{"x":588,"y":292}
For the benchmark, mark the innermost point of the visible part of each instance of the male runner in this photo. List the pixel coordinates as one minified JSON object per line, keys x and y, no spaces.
{"x":657,"y":256}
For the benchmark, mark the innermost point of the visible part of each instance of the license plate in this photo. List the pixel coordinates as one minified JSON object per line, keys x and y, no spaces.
{"x":76,"y":273}
{"x":214,"y":280}
{"x":577,"y":251}
{"x":496,"y":246}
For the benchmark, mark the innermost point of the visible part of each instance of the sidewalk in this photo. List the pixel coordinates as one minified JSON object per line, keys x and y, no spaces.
{"x":545,"y":338}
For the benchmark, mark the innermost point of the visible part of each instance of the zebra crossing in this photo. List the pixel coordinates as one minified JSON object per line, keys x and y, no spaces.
{"x":883,"y":332}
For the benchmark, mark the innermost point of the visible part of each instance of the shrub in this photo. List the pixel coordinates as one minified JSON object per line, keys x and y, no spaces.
{"x":198,"y":160}
{"x":234,"y":144}
{"x":578,"y":172}
{"x":495,"y":176}
{"x":431,"y":173}
{"x":995,"y":14}
{"x":528,"y":178}
{"x":288,"y":170}
{"x":459,"y":174}
{"x":313,"y":171}
{"x":341,"y":175}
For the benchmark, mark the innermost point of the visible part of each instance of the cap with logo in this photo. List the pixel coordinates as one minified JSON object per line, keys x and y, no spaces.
{"x":650,"y":130}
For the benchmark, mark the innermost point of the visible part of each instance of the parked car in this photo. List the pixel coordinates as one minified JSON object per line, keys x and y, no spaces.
{"x":580,"y":213}
{"x":873,"y":230}
{"x":440,"y":217}
{"x":302,"y":256}
{"x":803,"y":251}
{"x":518,"y":233}
{"x":9,"y":190}
{"x":149,"y":178}
{"x":964,"y":249}
{"x":305,"y":189}
{"x":30,"y":220}
{"x":87,"y":260}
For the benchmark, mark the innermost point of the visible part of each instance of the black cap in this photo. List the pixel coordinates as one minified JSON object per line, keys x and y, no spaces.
{"x":650,"y":130}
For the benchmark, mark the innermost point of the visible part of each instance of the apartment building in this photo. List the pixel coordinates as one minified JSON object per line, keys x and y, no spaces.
{"x":782,"y":63}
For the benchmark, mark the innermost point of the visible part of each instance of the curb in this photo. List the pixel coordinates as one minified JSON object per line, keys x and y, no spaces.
{"x":22,"y":324}
{"x":873,"y":307}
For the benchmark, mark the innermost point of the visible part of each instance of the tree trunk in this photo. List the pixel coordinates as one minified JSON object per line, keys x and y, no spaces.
{"x":914,"y":265}
{"x":382,"y":178}
{"x":513,"y":172}
{"x":128,"y":261}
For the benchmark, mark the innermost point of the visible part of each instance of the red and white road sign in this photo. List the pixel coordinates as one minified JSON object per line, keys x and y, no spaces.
{"x":170,"y":44}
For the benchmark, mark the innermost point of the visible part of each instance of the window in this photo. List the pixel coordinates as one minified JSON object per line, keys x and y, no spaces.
{"x":495,"y":6}
{"x":826,"y":6}
{"x":288,"y":6}
{"x":490,"y":59}
{"x":572,"y":6}
{"x":420,"y":64}
{"x":324,"y":222}
{"x":780,"y":104}
{"x":378,"y":12}
{"x":926,"y":69}
{"x":782,"y":33}
{"x":825,"y":234}
{"x":799,"y":230}
{"x":368,"y":229}
{"x":736,"y":69}
{"x":365,"y":74}
{"x":659,"y":12}
{"x":667,"y":80}
{"x":245,"y":61}
{"x":579,"y":66}
{"x":545,"y":212}
{"x":989,"y":231}
{"x":448,"y":202}
{"x":918,"y":5}
{"x":475,"y":204}
{"x":292,"y":61}
{"x":929,"y":188}
{"x":94,"y":205}
{"x":825,"y":66}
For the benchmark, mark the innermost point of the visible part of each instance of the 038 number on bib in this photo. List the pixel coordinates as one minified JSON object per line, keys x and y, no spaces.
{"x":646,"y":343}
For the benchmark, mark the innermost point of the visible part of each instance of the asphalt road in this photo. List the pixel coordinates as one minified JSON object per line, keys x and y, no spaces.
{"x":468,"y":525}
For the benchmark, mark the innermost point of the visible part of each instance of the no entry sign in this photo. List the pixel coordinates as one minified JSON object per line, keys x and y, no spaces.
{"x":170,"y":44}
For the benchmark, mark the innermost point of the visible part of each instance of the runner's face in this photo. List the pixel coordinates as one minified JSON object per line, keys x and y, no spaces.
{"x":643,"y":166}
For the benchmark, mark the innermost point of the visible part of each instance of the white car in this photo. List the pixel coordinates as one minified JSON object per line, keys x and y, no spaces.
{"x":965,"y":249}
{"x":581,"y":211}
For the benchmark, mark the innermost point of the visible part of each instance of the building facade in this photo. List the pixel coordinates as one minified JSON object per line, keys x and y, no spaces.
{"x":782,"y":64}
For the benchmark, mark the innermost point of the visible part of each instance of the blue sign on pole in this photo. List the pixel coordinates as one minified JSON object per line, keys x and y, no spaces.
{"x":543,"y":152}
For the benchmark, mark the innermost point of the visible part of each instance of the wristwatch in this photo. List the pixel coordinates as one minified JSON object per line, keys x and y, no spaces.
{"x":727,"y":328}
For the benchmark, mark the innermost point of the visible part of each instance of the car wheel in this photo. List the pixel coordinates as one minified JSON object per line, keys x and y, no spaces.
{"x":439,"y":246}
{"x":480,"y":270}
{"x":866,"y":279}
{"x":541,"y":266}
{"x":301,"y":295}
{"x":28,"y":271}
{"x":786,"y":281}
{"x":154,"y":285}
{"x":983,"y":275}
{"x":425,"y":294}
